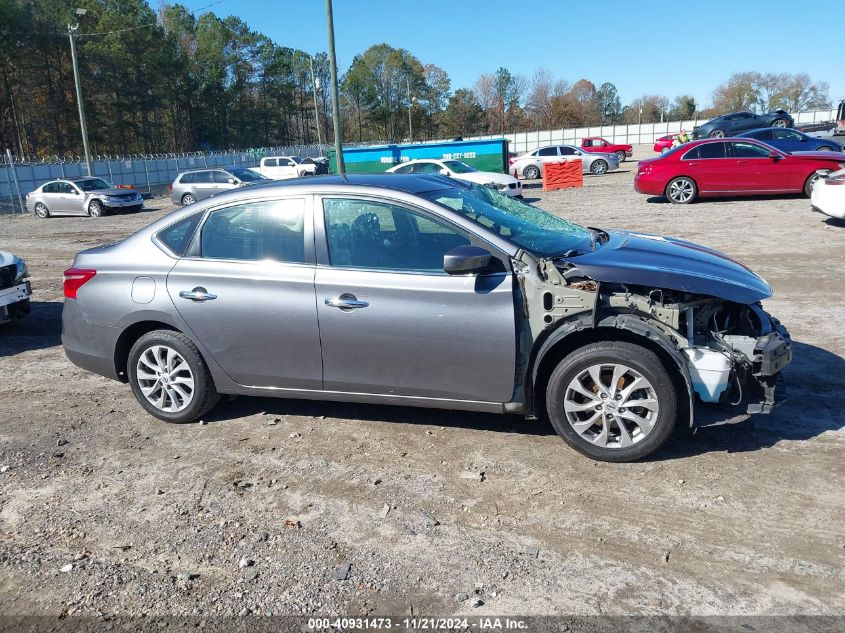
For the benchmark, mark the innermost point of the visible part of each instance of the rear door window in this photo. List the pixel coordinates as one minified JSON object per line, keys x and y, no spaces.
{"x":202,"y":177}
{"x":547,"y":151}
{"x":267,"y":230}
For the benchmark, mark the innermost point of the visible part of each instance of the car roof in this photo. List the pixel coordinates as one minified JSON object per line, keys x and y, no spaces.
{"x":763,"y":129}
{"x":218,"y":167}
{"x":407,"y":183}
{"x":80,"y":178}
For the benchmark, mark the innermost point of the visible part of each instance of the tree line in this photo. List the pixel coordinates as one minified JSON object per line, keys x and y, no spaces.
{"x":172,"y":80}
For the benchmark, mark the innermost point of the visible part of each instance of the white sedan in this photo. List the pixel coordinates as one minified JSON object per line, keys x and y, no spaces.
{"x":502,"y":183}
{"x":829,"y":195}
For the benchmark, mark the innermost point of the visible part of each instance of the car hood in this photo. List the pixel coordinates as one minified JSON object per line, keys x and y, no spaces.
{"x":484,"y":177}
{"x":665,"y":262}
{"x":114,"y":191}
{"x":7,"y":259}
{"x":838,"y":157}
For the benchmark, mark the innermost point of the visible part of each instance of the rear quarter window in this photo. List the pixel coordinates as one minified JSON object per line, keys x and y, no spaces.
{"x":187,"y":178}
{"x":176,"y":237}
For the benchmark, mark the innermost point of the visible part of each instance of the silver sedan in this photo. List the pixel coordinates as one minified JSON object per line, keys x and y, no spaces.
{"x":81,"y":196}
{"x":530,"y":165}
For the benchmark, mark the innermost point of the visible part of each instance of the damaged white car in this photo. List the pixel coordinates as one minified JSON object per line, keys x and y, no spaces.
{"x":424,"y":291}
{"x":15,"y":290}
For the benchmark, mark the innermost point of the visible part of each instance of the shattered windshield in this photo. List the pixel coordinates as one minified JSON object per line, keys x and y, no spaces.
{"x":458,"y":167}
{"x":527,"y":226}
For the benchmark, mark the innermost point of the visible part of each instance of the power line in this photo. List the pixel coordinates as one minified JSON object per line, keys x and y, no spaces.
{"x":147,"y":25}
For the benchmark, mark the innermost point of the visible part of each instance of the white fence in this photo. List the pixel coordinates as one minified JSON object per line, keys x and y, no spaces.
{"x":645,"y":133}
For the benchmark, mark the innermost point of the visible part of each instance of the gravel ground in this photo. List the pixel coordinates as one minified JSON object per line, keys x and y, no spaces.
{"x":297,"y":507}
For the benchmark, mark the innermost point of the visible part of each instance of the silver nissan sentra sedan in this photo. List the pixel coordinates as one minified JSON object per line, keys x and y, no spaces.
{"x":424,"y":291}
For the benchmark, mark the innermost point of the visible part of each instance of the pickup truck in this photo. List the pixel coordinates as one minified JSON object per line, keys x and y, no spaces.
{"x":598,"y":144}
{"x":284,"y":167}
{"x":14,"y":290}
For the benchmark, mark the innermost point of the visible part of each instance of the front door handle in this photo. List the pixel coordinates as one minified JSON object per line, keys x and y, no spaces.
{"x":197,"y":295}
{"x":347,"y":302}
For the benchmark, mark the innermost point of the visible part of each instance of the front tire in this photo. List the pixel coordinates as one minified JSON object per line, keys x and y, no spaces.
{"x":532,"y":172}
{"x":96,"y":209}
{"x":681,"y":190}
{"x":717,"y":134}
{"x":42,"y":211}
{"x":612,"y":401}
{"x":188,"y":199}
{"x":621,"y":156}
{"x":169,"y":377}
{"x":779,"y":123}
{"x":824,"y":148}
{"x":598,"y":167}
{"x":811,"y":181}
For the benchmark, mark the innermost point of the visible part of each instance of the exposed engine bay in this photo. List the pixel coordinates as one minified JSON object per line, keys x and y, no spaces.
{"x":732,"y":353}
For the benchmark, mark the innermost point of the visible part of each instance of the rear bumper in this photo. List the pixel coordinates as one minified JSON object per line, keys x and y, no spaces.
{"x":88,"y":346}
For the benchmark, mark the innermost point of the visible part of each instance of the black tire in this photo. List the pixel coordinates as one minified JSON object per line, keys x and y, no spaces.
{"x":532,"y":172}
{"x":187,"y":199}
{"x":717,"y":134}
{"x":96,"y":209}
{"x":621,"y":156}
{"x":205,"y":395}
{"x":685,"y":183}
{"x":808,"y":184}
{"x":637,"y":358}
{"x":41,"y":210}
{"x":598,"y":167}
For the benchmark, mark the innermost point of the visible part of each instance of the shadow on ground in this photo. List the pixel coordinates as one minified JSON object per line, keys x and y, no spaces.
{"x":40,"y":329}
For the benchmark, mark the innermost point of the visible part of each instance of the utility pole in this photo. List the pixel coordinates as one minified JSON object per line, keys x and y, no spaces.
{"x":410,"y":124}
{"x":338,"y":147}
{"x":71,"y":30}
{"x":316,"y":114}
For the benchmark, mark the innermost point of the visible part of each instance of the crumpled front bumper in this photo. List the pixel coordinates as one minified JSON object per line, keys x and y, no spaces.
{"x":772,"y":353}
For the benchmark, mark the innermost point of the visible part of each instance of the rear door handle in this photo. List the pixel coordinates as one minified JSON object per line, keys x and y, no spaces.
{"x":346,"y":302}
{"x":197,"y":295}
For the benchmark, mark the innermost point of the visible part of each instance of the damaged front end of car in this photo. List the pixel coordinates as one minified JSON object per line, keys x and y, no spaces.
{"x":699,"y":309}
{"x":15,"y":289}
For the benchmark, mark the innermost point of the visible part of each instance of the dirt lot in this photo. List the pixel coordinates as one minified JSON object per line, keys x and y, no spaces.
{"x":108,"y":511}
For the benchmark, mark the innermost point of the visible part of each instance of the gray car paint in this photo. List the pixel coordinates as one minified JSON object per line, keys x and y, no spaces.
{"x":425,"y":339}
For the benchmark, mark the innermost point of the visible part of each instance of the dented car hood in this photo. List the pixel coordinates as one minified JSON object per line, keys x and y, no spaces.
{"x":634,"y":258}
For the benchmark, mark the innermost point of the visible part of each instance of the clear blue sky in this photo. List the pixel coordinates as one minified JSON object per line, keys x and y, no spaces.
{"x":666,"y":48}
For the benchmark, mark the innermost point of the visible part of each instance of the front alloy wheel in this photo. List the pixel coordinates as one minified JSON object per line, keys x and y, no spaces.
{"x":717,"y":134}
{"x":95,"y":209}
{"x":532,"y":172}
{"x":599,"y":167}
{"x":779,"y":123}
{"x":41,"y":210}
{"x":621,"y":156}
{"x":681,"y":190}
{"x":188,"y":199}
{"x":612,"y":401}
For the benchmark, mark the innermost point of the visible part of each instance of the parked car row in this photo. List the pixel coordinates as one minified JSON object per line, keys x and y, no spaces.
{"x":732,"y":166}
{"x":530,"y":165}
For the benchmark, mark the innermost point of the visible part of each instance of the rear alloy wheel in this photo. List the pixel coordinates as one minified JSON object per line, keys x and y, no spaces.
{"x":811,"y":182}
{"x":188,"y":199}
{"x":717,"y":134}
{"x":42,"y":211}
{"x":532,"y":172}
{"x":824,"y":148}
{"x":681,"y":190}
{"x":598,"y":167}
{"x":96,"y":209}
{"x":169,"y":377}
{"x":779,"y":123}
{"x":612,"y":401}
{"x":621,"y":155}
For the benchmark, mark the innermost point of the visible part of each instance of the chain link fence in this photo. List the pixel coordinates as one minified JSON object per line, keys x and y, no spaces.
{"x":148,"y":174}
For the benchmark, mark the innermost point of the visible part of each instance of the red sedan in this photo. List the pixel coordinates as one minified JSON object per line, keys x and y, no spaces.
{"x":731,"y":166}
{"x":664,"y":143}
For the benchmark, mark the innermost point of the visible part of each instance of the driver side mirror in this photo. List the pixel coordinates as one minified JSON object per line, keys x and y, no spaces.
{"x":467,"y":260}
{"x":775,"y":156}
{"x":232,"y":181}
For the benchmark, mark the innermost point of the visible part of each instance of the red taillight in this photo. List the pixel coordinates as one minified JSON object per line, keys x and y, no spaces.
{"x":74,"y":278}
{"x":169,"y":188}
{"x":510,"y":161}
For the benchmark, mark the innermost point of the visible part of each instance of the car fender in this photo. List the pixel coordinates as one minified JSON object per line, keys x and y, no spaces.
{"x":628,"y":322}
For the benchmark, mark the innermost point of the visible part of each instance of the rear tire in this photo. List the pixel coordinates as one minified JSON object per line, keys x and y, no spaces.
{"x":42,"y":211}
{"x":779,"y":123}
{"x":621,"y":156}
{"x":532,"y":172}
{"x":717,"y":134}
{"x":681,"y":190}
{"x":96,"y":209}
{"x":627,"y":433}
{"x":188,"y":199}
{"x":169,"y":367}
{"x":824,"y":148}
